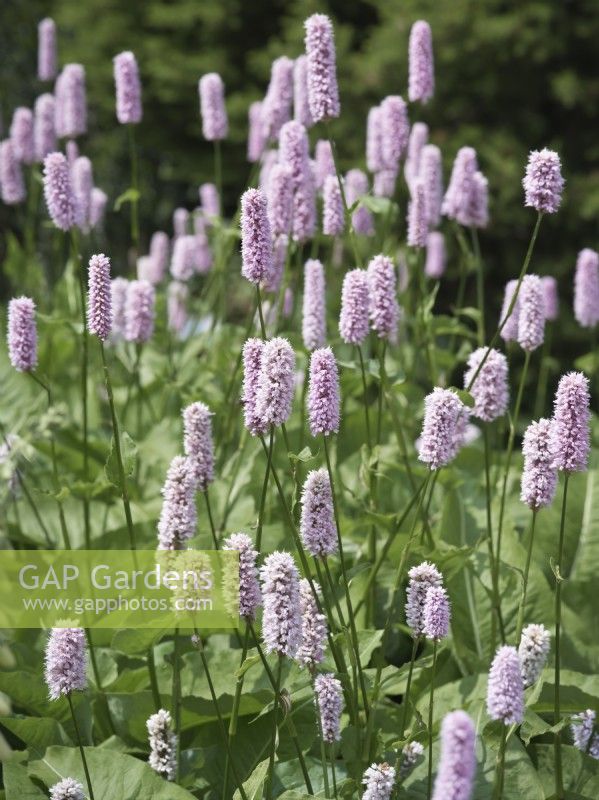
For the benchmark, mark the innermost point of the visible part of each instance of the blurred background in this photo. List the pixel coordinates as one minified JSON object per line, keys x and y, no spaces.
{"x":511,"y":75}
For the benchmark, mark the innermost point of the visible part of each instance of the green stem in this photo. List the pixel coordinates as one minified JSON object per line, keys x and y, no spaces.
{"x":430,"y":722}
{"x":200,"y":647}
{"x":365,"y":389}
{"x":332,"y":757}
{"x":514,"y":299}
{"x":493,"y":561}
{"x":543,"y":373}
{"x":264,"y":490}
{"x":509,"y":453}
{"x":84,"y":366}
{"x":559,"y":784}
{"x":218,"y":174}
{"x":348,"y":219}
{"x":153,"y":679}
{"x":81,"y":750}
{"x":522,"y":609}
{"x":406,"y":698}
{"x":176,"y":692}
{"x":323,"y":755}
{"x":235,"y":710}
{"x":480,"y":285}
{"x":498,"y":791}
{"x":271,"y":762}
{"x":260,"y":315}
{"x":134,"y":186}
{"x":117,"y":448}
{"x":350,"y":611}
{"x":210,"y":519}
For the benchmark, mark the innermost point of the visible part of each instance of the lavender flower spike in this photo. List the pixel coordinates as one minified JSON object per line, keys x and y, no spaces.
{"x":65,"y":661}
{"x":505,"y":692}
{"x":323,"y":92}
{"x":374,"y":140}
{"x":543,"y":183}
{"x":183,"y":259}
{"x":281,"y":621}
{"x":417,"y":215}
{"x":178,"y":517}
{"x":353,"y":319}
{"x":479,"y":201}
{"x":531,"y":313}
{"x":252,"y":359}
{"x":539,"y":475}
{"x":314,"y":308}
{"x":327,"y":690}
{"x":280,"y":199}
{"x":128,"y":89}
{"x":356,"y":187}
{"x":301,"y":106}
{"x":163,"y":744}
{"x":139,"y":312}
{"x":383,"y":305}
{"x":586,"y":288}
{"x":118,"y":293}
{"x":22,"y":334}
{"x":21,"y":135}
{"x":410,"y":755}
{"x":457,"y":203}
{"x":67,"y":789}
{"x":83,"y":182}
{"x":197,"y":443}
{"x":323,"y":393}
{"x":256,"y":138}
{"x":442,"y":411}
{"x":46,"y":50}
{"x":432,"y":177}
{"x":379,"y":780}
{"x":395,"y":130}
{"x":551,"y":297}
{"x":491,"y":388}
{"x":256,"y":237}
{"x":434,"y":266}
{"x":457,"y":764}
{"x":99,"y":303}
{"x":324,"y":163}
{"x":314,"y":628}
{"x":333,"y":216}
{"x":436,"y":613}
{"x":571,"y":419}
{"x":250,"y":596}
{"x":12,"y":185}
{"x":177,"y":296}
{"x":422,"y":578}
{"x":509,"y":325}
{"x":215,"y":124}
{"x":416,"y":142}
{"x":583,"y":735}
{"x":71,"y":102}
{"x":421,"y":84}
{"x":276,"y":108}
{"x":274,"y":393}
{"x":44,"y":133}
{"x":97,"y":209}
{"x":58,"y":191}
{"x":317,"y":522}
{"x":533,"y":650}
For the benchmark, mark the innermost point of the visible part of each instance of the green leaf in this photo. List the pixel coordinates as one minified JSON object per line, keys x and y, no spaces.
{"x":131,"y":195}
{"x":133,"y":641}
{"x":37,"y":733}
{"x":254,"y":786}
{"x":19,"y":785}
{"x":128,"y":454}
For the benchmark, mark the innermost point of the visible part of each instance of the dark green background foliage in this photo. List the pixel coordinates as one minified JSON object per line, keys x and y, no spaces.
{"x":511,"y":76}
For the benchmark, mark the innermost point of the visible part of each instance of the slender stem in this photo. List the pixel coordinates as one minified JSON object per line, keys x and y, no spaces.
{"x":348,"y":218}
{"x":176,"y":692}
{"x":350,"y":611}
{"x":153,"y":678}
{"x":522,"y":609}
{"x":332,"y":757}
{"x":365,"y":389}
{"x":509,"y":453}
{"x":271,"y":762}
{"x":406,"y":698}
{"x":134,"y":186}
{"x":513,"y":302}
{"x":496,"y":617}
{"x":559,"y":784}
{"x":430,"y":722}
{"x":61,"y":517}
{"x":210,"y":519}
{"x":260,"y":314}
{"x":117,"y":449}
{"x":480,"y":285}
{"x":264,"y":490}
{"x":81,"y":750}
{"x":218,"y":174}
{"x":288,"y":719}
{"x":323,"y":755}
{"x":235,"y":710}
{"x":200,"y":647}
{"x":498,"y":791}
{"x":543,"y":373}
{"x":33,"y":506}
